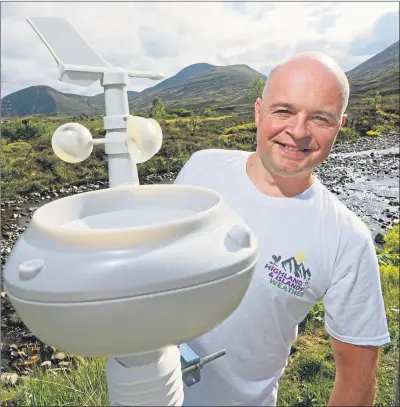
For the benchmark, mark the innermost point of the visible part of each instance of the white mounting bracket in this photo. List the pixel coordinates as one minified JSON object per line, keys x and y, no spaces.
{"x":129,"y":140}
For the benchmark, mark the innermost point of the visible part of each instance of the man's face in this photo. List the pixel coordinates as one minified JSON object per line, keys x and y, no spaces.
{"x":298,"y":119}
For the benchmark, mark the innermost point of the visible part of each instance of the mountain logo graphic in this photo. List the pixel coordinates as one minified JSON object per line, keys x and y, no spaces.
{"x":294,"y":265}
{"x":290,"y":275}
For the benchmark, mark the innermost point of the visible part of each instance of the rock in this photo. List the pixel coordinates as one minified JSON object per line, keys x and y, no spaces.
{"x":14,"y":319}
{"x":47,"y":363}
{"x":59,"y":356}
{"x":9,"y":378}
{"x":379,"y":238}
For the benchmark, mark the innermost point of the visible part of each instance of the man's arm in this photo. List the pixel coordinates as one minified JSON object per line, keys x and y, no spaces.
{"x":355,"y":381}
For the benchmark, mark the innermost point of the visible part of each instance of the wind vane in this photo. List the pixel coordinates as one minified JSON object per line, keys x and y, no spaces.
{"x":129,"y":140}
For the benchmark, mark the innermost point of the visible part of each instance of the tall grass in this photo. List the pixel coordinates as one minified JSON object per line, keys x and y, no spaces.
{"x":84,"y":385}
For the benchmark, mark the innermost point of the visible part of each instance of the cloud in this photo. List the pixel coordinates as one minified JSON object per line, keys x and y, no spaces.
{"x":155,"y":45}
{"x":169,"y":36}
{"x":383,"y":34}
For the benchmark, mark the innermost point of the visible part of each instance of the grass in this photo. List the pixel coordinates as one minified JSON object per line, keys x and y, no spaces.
{"x":84,"y":385}
{"x":307,"y":381}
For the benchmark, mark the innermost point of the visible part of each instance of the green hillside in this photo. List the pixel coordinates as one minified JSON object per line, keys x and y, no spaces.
{"x":220,"y":87}
{"x":379,"y":73}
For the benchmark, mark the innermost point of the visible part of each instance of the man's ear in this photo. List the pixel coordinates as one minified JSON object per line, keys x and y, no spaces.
{"x":344,"y":120}
{"x":257,"y":109}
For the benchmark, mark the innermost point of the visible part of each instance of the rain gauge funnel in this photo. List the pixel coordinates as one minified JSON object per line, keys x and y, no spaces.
{"x":130,"y":272}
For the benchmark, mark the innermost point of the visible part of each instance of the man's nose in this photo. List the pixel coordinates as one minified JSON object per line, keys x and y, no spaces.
{"x":299,"y":128}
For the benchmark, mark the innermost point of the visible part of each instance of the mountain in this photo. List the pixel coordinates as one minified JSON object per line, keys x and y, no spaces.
{"x":195,"y":86}
{"x":97,"y":101}
{"x":45,"y":100}
{"x":186,"y":73}
{"x":202,"y":85}
{"x":217,"y":86}
{"x":381,"y":72}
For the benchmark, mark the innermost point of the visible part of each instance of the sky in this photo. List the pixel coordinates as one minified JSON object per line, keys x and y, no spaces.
{"x":169,"y":36}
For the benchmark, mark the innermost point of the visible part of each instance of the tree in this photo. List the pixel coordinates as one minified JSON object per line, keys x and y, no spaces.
{"x":193,"y":124}
{"x":158,"y":108}
{"x":256,"y":89}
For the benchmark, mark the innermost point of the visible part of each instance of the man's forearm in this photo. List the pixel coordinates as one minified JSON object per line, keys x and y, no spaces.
{"x":353,"y":392}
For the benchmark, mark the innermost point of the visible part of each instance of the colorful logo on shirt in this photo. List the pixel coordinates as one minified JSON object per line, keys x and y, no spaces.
{"x":290,"y":275}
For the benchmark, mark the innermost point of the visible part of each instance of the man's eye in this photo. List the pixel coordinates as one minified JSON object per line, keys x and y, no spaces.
{"x":321,"y":118}
{"x":282,"y":111}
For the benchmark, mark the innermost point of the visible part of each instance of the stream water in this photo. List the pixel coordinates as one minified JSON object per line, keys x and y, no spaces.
{"x":372,"y":189}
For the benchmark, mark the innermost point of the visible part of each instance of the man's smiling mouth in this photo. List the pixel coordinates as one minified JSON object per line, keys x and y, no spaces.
{"x":293,"y":148}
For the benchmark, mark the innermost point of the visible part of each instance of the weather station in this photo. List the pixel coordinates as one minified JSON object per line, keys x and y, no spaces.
{"x":130,"y":272}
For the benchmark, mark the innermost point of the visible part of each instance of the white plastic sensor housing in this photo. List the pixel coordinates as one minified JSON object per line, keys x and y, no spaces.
{"x":129,"y":270}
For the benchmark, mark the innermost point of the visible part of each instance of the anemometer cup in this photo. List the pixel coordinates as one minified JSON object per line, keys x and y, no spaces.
{"x":72,"y":142}
{"x":146,"y":134}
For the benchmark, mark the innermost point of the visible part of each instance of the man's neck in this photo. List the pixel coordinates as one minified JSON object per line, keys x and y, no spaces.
{"x":275,"y":185}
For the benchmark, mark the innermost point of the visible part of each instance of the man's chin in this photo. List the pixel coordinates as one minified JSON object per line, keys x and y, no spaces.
{"x":279,"y":169}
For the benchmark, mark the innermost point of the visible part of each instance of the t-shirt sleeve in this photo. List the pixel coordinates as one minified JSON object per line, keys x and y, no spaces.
{"x":354,"y":306}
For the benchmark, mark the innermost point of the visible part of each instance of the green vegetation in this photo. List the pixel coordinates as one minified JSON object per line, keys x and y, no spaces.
{"x":29,"y":164}
{"x":83,"y":385}
{"x":307,"y":381}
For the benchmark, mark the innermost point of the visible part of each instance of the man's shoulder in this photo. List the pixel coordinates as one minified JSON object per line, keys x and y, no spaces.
{"x":207,"y":162}
{"x":215,"y":155}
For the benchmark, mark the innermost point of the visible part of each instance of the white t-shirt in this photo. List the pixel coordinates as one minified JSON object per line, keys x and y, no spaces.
{"x":311,"y":248}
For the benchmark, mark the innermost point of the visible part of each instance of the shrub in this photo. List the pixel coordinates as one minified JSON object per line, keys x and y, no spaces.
{"x":348,"y":132}
{"x":373,"y":133}
{"x":240,"y":127}
{"x":209,"y":113}
{"x":180,"y":112}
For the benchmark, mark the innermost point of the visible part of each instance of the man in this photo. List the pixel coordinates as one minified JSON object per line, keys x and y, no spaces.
{"x":311,"y":247}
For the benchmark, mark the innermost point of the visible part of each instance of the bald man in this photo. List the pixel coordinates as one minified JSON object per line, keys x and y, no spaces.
{"x":311,"y":246}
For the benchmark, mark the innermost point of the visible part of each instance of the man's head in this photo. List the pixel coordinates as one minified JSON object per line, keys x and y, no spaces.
{"x":300,"y":114}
